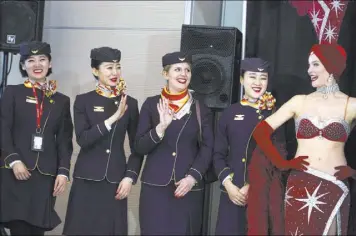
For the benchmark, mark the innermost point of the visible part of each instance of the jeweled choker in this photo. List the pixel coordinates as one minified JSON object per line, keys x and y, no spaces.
{"x":325,"y":90}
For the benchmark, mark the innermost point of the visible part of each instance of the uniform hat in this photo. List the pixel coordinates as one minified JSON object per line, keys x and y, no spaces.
{"x":254,"y":65}
{"x":105,"y":54}
{"x":34,"y":48}
{"x":332,"y":56}
{"x":176,"y":57}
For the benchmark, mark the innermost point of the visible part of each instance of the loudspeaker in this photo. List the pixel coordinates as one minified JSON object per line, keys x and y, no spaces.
{"x":216,"y":54}
{"x":21,"y":21}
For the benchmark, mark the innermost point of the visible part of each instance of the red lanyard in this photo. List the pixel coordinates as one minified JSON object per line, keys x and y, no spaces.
{"x":39,"y":108}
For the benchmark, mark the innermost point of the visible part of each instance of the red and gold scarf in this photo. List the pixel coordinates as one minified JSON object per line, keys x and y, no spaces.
{"x":266,"y":101}
{"x":49,"y":88}
{"x":176,"y":101}
{"x":111,"y":92}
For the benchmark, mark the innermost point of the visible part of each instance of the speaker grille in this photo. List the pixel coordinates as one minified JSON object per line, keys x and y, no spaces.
{"x":207,"y":74}
{"x":216,"y":53}
{"x":218,"y":41}
{"x":19,"y":20}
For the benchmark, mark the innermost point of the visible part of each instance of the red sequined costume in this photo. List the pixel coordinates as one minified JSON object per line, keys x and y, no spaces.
{"x":309,"y":201}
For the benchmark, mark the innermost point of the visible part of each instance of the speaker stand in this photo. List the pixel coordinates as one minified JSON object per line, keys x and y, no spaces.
{"x":206,"y":211}
{"x":4,"y":71}
{"x":208,"y":191}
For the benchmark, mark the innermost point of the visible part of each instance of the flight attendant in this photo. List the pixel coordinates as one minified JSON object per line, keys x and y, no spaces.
{"x":102,"y":180}
{"x":36,"y":137}
{"x":171,"y":200}
{"x":232,"y":141}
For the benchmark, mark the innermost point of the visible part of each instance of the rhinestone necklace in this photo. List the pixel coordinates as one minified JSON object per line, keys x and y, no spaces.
{"x":325,"y":90}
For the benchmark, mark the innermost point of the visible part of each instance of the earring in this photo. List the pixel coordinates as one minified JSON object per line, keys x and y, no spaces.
{"x":331,"y":78}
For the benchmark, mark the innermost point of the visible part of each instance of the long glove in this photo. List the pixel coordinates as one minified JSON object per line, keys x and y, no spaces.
{"x":344,"y":172}
{"x":262,"y":135}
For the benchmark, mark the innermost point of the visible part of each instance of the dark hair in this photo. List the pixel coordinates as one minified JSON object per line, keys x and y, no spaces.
{"x":95,"y":64}
{"x":24,"y":58}
{"x":242,"y":72}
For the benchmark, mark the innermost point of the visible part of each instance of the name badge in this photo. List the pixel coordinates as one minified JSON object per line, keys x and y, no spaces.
{"x":31,"y":101}
{"x":37,"y":142}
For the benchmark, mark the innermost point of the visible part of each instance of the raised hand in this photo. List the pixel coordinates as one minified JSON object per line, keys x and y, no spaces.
{"x":122,"y":107}
{"x":119,"y":112}
{"x":165,"y":114}
{"x":344,"y":172}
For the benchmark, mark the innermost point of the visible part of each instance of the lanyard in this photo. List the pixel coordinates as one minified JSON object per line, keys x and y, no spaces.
{"x":39,"y":110}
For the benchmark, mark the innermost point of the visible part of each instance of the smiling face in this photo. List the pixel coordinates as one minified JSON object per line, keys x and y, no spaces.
{"x":317,"y":72}
{"x":37,"y":67}
{"x":254,"y":83}
{"x":108,"y":73}
{"x":178,"y":76}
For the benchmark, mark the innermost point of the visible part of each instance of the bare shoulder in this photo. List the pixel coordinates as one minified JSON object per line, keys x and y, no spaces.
{"x":352,"y":104}
{"x":298,"y":98}
{"x":351,"y":109}
{"x":296,"y":102}
{"x":286,"y":111}
{"x":352,"y":101}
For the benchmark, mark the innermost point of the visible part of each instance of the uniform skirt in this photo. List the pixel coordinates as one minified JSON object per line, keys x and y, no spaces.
{"x":29,"y":200}
{"x":231,"y":218}
{"x":93,"y":209}
{"x":313,"y":200}
{"x":161,"y":213}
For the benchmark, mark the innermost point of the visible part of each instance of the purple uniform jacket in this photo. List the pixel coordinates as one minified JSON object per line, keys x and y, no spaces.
{"x":177,"y":154}
{"x":18,"y":124}
{"x":102,"y":155}
{"x":232,"y":141}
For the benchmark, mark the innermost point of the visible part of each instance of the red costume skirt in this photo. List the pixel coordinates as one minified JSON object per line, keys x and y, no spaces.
{"x":313,"y":200}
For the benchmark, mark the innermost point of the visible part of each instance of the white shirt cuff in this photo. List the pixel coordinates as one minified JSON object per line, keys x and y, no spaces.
{"x":13,"y":163}
{"x":64,"y":176}
{"x":226,"y":178}
{"x":160,"y":134}
{"x":129,"y":179}
{"x":107,"y":126}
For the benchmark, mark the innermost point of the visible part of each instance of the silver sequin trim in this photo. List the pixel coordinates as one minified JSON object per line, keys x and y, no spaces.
{"x":336,"y":209}
{"x":320,"y":124}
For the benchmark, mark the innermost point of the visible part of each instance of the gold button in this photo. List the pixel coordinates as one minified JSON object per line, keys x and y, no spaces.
{"x":243,"y":159}
{"x":116,"y":102}
{"x":259,"y":117}
{"x":174,"y":154}
{"x":107,"y":151}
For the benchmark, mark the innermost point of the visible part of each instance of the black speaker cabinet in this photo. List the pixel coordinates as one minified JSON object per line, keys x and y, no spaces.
{"x":21,"y":21}
{"x":216,"y":54}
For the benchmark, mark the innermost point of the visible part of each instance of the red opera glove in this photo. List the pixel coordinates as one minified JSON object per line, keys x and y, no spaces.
{"x":262,"y":135}
{"x":344,"y":172}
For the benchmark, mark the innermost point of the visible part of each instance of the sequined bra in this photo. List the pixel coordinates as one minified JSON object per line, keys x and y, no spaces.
{"x":307,"y":127}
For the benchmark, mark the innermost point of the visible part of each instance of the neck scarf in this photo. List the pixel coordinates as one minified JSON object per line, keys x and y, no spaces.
{"x":111,"y":92}
{"x":49,"y":88}
{"x":176,"y":101}
{"x":266,"y":101}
